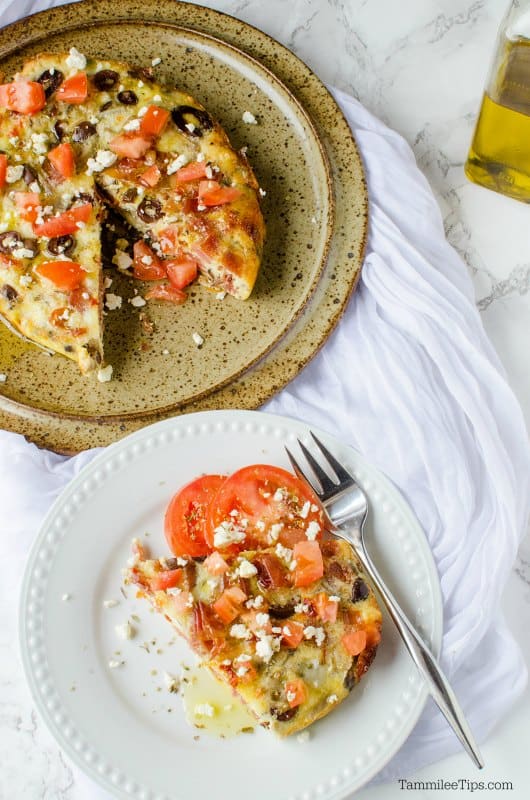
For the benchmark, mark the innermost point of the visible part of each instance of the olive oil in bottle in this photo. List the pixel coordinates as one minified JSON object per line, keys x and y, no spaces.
{"x":499,"y":157}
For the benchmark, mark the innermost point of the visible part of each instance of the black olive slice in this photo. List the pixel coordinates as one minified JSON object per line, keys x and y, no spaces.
{"x":360,"y":590}
{"x":10,"y":294}
{"x":283,"y":716}
{"x":127,"y":97}
{"x":350,"y":680}
{"x":50,"y":81}
{"x":61,"y":245}
{"x":59,"y":129}
{"x":106,"y":105}
{"x":180,"y":116}
{"x":149,"y":210}
{"x":29,"y":175}
{"x":142,"y":74}
{"x":83,"y":131}
{"x":32,"y":245}
{"x":129,"y":195}
{"x":9,"y":241}
{"x":106,"y":79}
{"x":282,"y":611}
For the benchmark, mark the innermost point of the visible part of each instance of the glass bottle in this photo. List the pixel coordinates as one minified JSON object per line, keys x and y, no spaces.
{"x":499,"y":157}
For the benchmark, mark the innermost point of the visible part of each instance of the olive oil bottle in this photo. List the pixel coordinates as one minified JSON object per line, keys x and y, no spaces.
{"x":499,"y":157}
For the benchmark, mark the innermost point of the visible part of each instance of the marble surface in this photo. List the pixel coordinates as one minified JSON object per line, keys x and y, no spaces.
{"x":420,"y":65}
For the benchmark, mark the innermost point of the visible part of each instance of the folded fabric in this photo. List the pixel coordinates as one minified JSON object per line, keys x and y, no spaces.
{"x":410,"y":379}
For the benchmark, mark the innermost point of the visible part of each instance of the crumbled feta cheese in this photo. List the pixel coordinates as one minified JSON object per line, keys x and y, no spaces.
{"x":147,"y":260}
{"x":304,"y":511}
{"x":25,"y":280}
{"x":190,"y":126}
{"x":314,"y":508}
{"x":132,"y":125}
{"x":246,"y":569}
{"x":292,"y":565}
{"x":278,"y":495}
{"x":142,"y":111}
{"x":14,"y":174}
{"x":241,"y":671}
{"x":208,"y":171}
{"x":303,"y":737}
{"x":312,"y":531}
{"x":220,"y":295}
{"x":262,"y":619}
{"x":290,"y":696}
{"x":137,"y":302}
{"x":107,"y":283}
{"x":275,"y":531}
{"x":65,"y":597}
{"x":125,"y":631}
{"x":172,"y":682}
{"x":103,"y":159}
{"x":140,"y":84}
{"x":334,"y":598}
{"x":122,"y":260}
{"x":110,"y":603}
{"x":3,"y":377}
{"x":244,"y":657}
{"x":197,"y":338}
{"x":39,"y":143}
{"x":266,"y":646}
{"x":201,"y":207}
{"x":283,"y":552}
{"x":112,"y":301}
{"x":227,"y":533}
{"x":249,"y":118}
{"x":177,"y":163}
{"x":94,"y":120}
{"x":318,"y":634}
{"x":262,"y":192}
{"x":114,"y":664}
{"x":260,"y":525}
{"x":75,"y":59}
{"x":165,"y":351}
{"x":13,"y":140}
{"x":22,"y":252}
{"x":332,"y":698}
{"x":240,"y":632}
{"x":157,"y":98}
{"x":34,"y":187}
{"x":105,"y":374}
{"x":155,"y":62}
{"x":173,"y":591}
{"x":255,"y":602}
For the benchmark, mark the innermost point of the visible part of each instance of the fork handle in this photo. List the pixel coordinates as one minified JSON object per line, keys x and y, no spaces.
{"x":437,"y":684}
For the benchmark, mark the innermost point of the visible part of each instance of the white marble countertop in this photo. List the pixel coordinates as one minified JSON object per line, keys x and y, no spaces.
{"x":420,"y":65}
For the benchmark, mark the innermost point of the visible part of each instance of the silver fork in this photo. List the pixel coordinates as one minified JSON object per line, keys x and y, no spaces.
{"x":346,"y":508}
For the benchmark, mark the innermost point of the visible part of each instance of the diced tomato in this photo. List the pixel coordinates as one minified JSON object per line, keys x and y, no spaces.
{"x":74,"y":89}
{"x":164,"y":291}
{"x":208,"y":633}
{"x":28,"y":204}
{"x":245,"y":672}
{"x":254,"y":622}
{"x":166,"y":579}
{"x":147,"y":265}
{"x":271,"y":572}
{"x":325,"y":607}
{"x":26,"y":97}
{"x":182,"y":601}
{"x":81,"y":300}
{"x":296,"y":692}
{"x":59,"y":318}
{"x":169,"y":239}
{"x":211,"y":193}
{"x":274,"y":502}
{"x":309,"y":563}
{"x":181,"y":272}
{"x":191,"y":172}
{"x":64,"y":223}
{"x":150,"y":177}
{"x":3,"y":169}
{"x":154,"y":121}
{"x":228,"y":606}
{"x":130,"y":145}
{"x":185,"y":517}
{"x":292,"y":633}
{"x":215,"y":564}
{"x":354,"y":642}
{"x":65,"y":275}
{"x":63,"y":159}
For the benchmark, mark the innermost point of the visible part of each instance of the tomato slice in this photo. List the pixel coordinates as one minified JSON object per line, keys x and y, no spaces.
{"x":181,"y":272}
{"x":150,"y":177}
{"x":325,"y":607}
{"x":3,"y":169}
{"x":292,"y":633}
{"x":26,"y":97}
{"x":147,"y":265}
{"x":309,"y":563}
{"x":62,"y":158}
{"x":64,"y":223}
{"x":296,"y":692}
{"x":272,"y":504}
{"x":215,"y":564}
{"x":228,"y":606}
{"x":191,"y":172}
{"x":154,"y":121}
{"x":73,"y":90}
{"x":65,"y":275}
{"x":354,"y":642}
{"x":185,"y":518}
{"x":28,"y":204}
{"x":130,"y":145}
{"x":164,"y":291}
{"x":211,"y":193}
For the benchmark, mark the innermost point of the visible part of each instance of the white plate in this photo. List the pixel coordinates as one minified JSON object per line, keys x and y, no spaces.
{"x":115,"y":724}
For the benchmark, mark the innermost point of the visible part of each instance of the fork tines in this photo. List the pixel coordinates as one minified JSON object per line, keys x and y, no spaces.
{"x":326,"y":484}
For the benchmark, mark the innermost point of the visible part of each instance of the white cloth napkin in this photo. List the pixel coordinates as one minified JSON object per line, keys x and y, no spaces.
{"x":411,"y":380}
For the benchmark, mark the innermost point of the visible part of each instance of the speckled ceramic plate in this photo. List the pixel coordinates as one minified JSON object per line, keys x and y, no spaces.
{"x":315,"y":209}
{"x":121,"y":725}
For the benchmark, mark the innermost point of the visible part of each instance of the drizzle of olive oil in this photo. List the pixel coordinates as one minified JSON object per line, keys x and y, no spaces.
{"x":202,"y":692}
{"x":499,"y":157}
